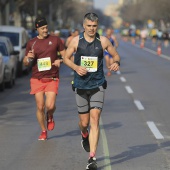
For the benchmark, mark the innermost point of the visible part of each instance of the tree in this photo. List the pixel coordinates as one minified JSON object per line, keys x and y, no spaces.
{"x":3,"y":4}
{"x":143,"y":10}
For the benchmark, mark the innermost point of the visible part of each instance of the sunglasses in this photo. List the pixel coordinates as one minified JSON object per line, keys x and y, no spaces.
{"x":90,"y":14}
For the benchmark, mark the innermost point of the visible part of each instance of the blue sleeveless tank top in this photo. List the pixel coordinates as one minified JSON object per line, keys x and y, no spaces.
{"x":91,"y":79}
{"x":112,"y":41}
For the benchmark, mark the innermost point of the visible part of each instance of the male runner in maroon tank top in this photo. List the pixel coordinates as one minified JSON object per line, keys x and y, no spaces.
{"x":41,"y":53}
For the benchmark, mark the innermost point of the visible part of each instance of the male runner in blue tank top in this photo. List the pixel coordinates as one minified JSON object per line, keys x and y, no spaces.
{"x":114,"y":42}
{"x":89,"y":81}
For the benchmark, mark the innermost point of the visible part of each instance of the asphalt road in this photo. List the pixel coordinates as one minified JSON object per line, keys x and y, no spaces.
{"x":135,"y":128}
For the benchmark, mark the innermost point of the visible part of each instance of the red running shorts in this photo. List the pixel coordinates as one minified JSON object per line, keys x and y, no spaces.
{"x":41,"y":86}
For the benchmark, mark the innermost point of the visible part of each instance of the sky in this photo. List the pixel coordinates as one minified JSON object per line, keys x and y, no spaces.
{"x":101,"y":4}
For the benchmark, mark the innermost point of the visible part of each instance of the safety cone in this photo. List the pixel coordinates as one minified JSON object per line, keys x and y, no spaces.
{"x":141,"y":44}
{"x":133,"y":41}
{"x":159,"y":50}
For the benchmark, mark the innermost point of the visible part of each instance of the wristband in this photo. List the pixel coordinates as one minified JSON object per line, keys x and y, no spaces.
{"x":29,"y":59}
{"x":117,"y":63}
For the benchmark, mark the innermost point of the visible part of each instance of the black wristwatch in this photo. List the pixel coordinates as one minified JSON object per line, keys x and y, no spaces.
{"x":117,"y":62}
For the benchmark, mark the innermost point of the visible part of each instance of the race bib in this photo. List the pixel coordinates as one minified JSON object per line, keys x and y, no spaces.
{"x":90,"y":63}
{"x":44,"y":64}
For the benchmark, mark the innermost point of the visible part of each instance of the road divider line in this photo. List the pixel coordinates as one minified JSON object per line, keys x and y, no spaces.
{"x":149,"y":50}
{"x":155,"y":130}
{"x":105,"y":147}
{"x":165,"y":57}
{"x":153,"y":52}
{"x":122,"y":79}
{"x":129,"y":90}
{"x":118,"y":72}
{"x":139,"y":105}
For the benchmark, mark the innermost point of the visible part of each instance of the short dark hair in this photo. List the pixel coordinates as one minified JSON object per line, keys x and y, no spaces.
{"x":91,"y":16}
{"x":40,"y":21}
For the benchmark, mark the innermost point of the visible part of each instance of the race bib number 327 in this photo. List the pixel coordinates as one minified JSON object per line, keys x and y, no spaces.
{"x":44,"y":64}
{"x":90,"y":63}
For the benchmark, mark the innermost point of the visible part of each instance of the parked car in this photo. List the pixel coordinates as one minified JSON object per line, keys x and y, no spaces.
{"x":10,"y":59}
{"x":32,"y":33}
{"x":2,"y":73}
{"x":19,"y":38}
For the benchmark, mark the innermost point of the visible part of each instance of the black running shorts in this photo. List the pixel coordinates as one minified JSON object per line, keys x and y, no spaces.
{"x":89,"y":99}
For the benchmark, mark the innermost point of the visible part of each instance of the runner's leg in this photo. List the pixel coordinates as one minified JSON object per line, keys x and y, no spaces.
{"x":50,"y":102}
{"x":39,"y":97}
{"x":94,"y":129}
{"x":84,"y":122}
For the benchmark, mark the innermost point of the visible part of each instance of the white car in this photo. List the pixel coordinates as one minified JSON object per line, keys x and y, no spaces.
{"x":2,"y":73}
{"x":10,"y":59}
{"x":19,"y":38}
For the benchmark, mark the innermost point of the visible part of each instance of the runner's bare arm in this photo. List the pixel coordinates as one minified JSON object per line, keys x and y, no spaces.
{"x":116,"y":41}
{"x":106,"y":44}
{"x":68,"y":41}
{"x":28,"y":57}
{"x":58,"y":62}
{"x":62,"y":53}
{"x":67,"y":58}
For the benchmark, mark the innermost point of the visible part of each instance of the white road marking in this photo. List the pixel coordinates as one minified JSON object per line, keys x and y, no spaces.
{"x":165,"y":57}
{"x":149,"y":50}
{"x":153,"y":52}
{"x":155,"y":130}
{"x":105,"y":147}
{"x":118,"y":72}
{"x":139,"y":105}
{"x":122,"y":79}
{"x":129,"y":90}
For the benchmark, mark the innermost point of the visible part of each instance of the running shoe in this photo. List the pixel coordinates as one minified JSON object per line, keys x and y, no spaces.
{"x":43,"y":135}
{"x":50,"y":122}
{"x":85,"y":143}
{"x":91,"y":164}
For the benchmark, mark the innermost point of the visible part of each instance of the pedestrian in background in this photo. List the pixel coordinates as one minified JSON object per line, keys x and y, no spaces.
{"x":114,"y":42}
{"x":89,"y":81}
{"x":44,"y":82}
{"x":74,"y":33}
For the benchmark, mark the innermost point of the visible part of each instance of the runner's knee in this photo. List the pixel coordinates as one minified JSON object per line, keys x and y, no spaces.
{"x":50,"y":107}
{"x":40,"y":108}
{"x":84,"y":123}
